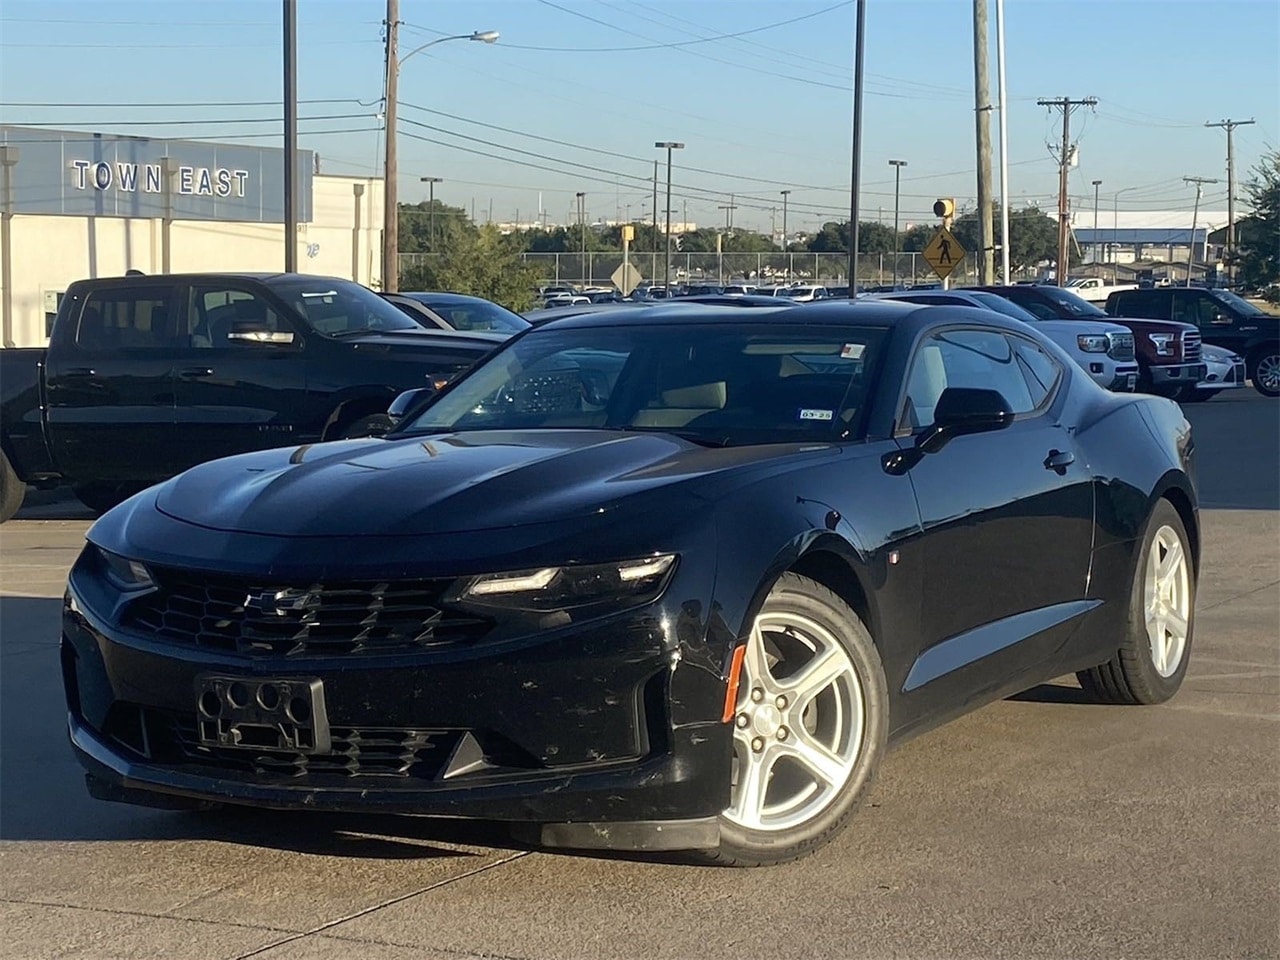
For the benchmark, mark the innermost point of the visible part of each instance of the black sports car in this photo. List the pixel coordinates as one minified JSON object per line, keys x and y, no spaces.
{"x":642,"y":579}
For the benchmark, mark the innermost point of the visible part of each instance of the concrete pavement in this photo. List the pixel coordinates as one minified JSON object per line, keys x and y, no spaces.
{"x":1040,"y":826}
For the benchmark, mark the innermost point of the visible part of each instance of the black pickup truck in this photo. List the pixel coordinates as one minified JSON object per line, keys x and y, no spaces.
{"x":147,"y":376}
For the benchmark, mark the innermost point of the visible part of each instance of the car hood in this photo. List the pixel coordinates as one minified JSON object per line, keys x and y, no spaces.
{"x":1146,"y":325}
{"x":423,"y":339}
{"x":452,"y":483}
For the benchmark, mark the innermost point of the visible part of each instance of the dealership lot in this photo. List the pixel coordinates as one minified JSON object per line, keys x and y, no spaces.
{"x":1039,"y":826}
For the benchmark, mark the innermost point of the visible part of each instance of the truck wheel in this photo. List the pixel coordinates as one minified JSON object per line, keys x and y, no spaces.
{"x":1264,"y":370}
{"x":374,"y":425}
{"x":100,"y":497}
{"x":12,"y":490}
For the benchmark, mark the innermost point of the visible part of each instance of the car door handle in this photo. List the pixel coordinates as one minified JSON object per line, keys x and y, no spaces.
{"x":195,"y":373}
{"x":80,"y":372}
{"x":1059,"y":460}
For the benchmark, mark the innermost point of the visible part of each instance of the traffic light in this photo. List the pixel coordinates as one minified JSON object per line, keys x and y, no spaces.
{"x":944,"y":207}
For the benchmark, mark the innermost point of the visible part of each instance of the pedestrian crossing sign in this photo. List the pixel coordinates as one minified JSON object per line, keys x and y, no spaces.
{"x":944,"y":253}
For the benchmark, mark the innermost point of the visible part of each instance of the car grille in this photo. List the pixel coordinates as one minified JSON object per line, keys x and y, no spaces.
{"x":356,"y":751}
{"x":260,"y":618}
{"x":1121,"y":346}
{"x":1191,"y":347}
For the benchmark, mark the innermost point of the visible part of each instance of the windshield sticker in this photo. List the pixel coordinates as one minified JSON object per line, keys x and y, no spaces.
{"x":807,"y":414}
{"x":852,"y":351}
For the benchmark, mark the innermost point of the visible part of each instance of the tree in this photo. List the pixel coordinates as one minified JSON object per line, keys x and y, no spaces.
{"x":1033,"y":236}
{"x":416,"y":225}
{"x":834,"y":238}
{"x":1258,"y":237}
{"x":917,"y":237}
{"x":481,"y":262}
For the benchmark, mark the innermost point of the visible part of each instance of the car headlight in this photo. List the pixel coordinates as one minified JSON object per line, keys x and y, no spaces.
{"x":1093,"y":342}
{"x":1163,"y":343}
{"x":557,"y":588}
{"x":124,"y":573}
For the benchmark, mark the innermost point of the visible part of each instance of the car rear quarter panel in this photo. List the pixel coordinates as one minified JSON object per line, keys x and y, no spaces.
{"x":21,"y":411}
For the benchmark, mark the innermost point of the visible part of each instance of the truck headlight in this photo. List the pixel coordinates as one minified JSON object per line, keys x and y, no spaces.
{"x":1163,"y":343}
{"x":1093,"y":342}
{"x":574,"y":585}
{"x":124,"y":573}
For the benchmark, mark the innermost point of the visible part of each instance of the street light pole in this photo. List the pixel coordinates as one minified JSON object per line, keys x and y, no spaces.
{"x":1096,"y":185}
{"x":897,"y":242}
{"x":582,"y":231}
{"x":855,"y":166}
{"x":1195,"y":217}
{"x":390,"y":206}
{"x":668,"y":145}
{"x":785,"y":194}
{"x":290,"y":136}
{"x":431,"y":209}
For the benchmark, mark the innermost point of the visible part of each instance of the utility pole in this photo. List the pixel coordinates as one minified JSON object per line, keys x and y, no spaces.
{"x":390,"y":202}
{"x":1096,"y":185}
{"x":1195,"y":216}
{"x":582,"y":229}
{"x":1067,"y":106}
{"x":897,"y":240}
{"x":290,"y":136}
{"x":785,"y":194}
{"x":728,"y":209}
{"x":431,"y":209}
{"x":1230,"y":126}
{"x":982,"y":122}
{"x":668,"y":145}
{"x":855,"y":160}
{"x":1002,"y":91}
{"x":653,"y":265}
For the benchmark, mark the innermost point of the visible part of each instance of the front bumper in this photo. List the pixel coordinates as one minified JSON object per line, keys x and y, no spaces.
{"x":1183,"y":374}
{"x":570,"y":734}
{"x":1124,"y":379}
{"x":1223,"y":376}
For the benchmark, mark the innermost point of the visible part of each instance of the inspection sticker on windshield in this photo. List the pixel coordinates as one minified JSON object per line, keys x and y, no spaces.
{"x":852,"y":351}
{"x":815,"y":414}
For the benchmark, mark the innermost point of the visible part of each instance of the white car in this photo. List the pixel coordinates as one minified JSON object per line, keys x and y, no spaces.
{"x":1225,"y":372}
{"x":806,"y":293}
{"x":565,"y":300}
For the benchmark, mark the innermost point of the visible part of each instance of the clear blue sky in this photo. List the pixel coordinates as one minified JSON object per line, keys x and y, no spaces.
{"x":601,"y":80}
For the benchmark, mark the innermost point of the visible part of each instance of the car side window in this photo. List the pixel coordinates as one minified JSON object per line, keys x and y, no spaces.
{"x":212,"y":312}
{"x":982,"y":359}
{"x":1035,"y":307}
{"x":1039,"y":369}
{"x":127,"y":318}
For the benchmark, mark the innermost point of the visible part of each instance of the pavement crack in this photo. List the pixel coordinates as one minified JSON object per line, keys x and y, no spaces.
{"x":386,"y":903}
{"x":144,"y":914}
{"x":1239,"y":596}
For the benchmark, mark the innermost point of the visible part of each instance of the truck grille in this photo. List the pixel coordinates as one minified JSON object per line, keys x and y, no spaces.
{"x":259,"y":618}
{"x":1121,"y":346}
{"x":1191,"y":347}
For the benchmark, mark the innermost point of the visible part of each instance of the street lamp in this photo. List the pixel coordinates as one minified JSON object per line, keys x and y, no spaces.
{"x":390,"y":217}
{"x":897,"y":183}
{"x":785,"y":194}
{"x":1096,"y":185}
{"x":1115,"y":233}
{"x":431,"y":208}
{"x":668,"y":145}
{"x":582,"y":230}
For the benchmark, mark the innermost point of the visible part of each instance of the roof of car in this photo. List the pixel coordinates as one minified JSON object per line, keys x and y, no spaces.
{"x":218,"y":274}
{"x":860,"y":313}
{"x":440,"y":296}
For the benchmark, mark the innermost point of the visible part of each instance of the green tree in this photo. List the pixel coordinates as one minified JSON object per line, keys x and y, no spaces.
{"x":834,"y":238}
{"x":917,"y":237}
{"x":1257,"y":261}
{"x":481,"y":262}
{"x":416,"y":222}
{"x":1033,"y":236}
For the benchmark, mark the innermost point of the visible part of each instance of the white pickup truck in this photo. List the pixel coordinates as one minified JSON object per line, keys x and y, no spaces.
{"x":1096,"y":289}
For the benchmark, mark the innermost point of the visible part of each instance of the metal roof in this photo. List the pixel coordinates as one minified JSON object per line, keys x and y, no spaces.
{"x":1154,"y":236}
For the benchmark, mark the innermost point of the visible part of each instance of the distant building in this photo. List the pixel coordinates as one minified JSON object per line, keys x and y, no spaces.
{"x":1131,"y":236}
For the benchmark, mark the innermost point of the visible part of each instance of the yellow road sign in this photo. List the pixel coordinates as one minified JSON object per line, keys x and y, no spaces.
{"x":944,"y":253}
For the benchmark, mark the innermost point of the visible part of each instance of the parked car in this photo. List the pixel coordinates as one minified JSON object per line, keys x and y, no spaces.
{"x":1168,"y":353}
{"x":147,"y":376}
{"x":1223,"y":319}
{"x":701,"y":290}
{"x":1224,"y":371}
{"x":437,"y":310}
{"x":1103,"y":350}
{"x":675,"y":583}
{"x":1096,"y":289}
{"x":806,"y":293}
{"x":565,"y":299}
{"x":771,"y":291}
{"x":739,"y":289}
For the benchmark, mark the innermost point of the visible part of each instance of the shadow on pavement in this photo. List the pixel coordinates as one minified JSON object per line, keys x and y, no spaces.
{"x":1233,"y":422}
{"x":1053,"y":693}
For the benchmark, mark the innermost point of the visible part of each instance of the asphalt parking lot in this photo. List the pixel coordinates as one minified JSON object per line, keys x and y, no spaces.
{"x":1040,"y":826}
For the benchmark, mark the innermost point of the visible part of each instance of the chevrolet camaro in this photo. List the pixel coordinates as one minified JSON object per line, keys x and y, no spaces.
{"x":662,"y":579}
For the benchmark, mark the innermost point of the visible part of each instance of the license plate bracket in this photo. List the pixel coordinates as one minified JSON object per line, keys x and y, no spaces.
{"x":262,"y":713}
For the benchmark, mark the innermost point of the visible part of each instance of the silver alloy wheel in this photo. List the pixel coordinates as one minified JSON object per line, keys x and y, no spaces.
{"x":1268,"y":372}
{"x":1167,"y":600}
{"x":799,"y":724}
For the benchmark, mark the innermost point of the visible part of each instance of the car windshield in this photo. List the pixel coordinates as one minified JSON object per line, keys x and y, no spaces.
{"x":714,"y":384}
{"x":1073,"y":304}
{"x":340,"y":308}
{"x":999,"y":304}
{"x":1239,"y":304}
{"x":473,"y":314}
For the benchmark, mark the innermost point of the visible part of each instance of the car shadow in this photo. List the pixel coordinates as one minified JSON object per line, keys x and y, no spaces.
{"x":1053,"y":692}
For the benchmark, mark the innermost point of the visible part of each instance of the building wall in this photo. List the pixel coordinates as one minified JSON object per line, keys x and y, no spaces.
{"x":49,"y":252}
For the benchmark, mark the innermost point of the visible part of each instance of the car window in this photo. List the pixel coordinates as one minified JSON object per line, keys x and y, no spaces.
{"x":712,"y":383}
{"x":1241,"y":306}
{"x":1038,"y":309}
{"x":1039,"y":369}
{"x":1194,"y":307}
{"x":127,"y":318}
{"x":999,"y":304}
{"x":340,"y":308}
{"x":982,"y":359}
{"x":212,"y":312}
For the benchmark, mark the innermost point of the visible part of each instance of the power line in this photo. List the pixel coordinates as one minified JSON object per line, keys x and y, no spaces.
{"x":185,"y":103}
{"x":45,"y":124}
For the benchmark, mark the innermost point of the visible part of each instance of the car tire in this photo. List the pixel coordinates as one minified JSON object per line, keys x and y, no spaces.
{"x":808,"y":645}
{"x":12,"y":490}
{"x":374,"y":425}
{"x":1264,"y":370}
{"x":1149,"y":668}
{"x":100,"y":497}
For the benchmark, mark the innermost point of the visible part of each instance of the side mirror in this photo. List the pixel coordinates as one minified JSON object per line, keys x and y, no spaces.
{"x":407,"y":401}
{"x":963,"y":410}
{"x":253,"y":331}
